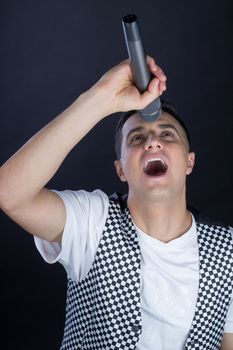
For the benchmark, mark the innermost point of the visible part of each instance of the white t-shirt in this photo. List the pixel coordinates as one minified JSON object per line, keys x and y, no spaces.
{"x":169,"y":271}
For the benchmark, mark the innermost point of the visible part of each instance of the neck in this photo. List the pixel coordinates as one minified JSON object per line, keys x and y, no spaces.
{"x":164,"y":221}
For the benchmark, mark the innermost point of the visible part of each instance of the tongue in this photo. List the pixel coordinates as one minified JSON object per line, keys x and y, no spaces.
{"x":155,"y":168}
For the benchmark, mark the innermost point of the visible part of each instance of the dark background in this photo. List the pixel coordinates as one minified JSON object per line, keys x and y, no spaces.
{"x":51,"y":51}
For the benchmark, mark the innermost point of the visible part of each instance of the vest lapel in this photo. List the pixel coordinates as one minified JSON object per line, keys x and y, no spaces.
{"x":215,"y":287}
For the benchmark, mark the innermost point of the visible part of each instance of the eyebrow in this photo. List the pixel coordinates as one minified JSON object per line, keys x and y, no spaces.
{"x":138,"y":129}
{"x":161,"y":126}
{"x":168,"y":126}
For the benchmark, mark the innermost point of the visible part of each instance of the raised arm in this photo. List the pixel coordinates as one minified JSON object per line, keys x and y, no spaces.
{"x":23,"y":196}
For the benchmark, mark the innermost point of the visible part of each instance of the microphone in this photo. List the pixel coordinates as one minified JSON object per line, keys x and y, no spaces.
{"x":140,"y":69}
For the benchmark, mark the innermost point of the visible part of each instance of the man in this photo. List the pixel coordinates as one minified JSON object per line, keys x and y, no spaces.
{"x":142,"y":274}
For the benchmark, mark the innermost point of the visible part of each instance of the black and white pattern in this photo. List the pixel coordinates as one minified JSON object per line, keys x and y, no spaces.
{"x":215,"y":287}
{"x":103,"y":310}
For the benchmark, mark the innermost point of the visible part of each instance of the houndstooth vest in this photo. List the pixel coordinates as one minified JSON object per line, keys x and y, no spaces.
{"x":103,"y":310}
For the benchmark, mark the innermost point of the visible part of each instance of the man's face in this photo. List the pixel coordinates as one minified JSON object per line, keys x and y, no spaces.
{"x":154,"y":157}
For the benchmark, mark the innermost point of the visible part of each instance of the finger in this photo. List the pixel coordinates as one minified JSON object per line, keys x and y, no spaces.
{"x":155,"y":69}
{"x":153,"y":87}
{"x":162,"y":86}
{"x":150,"y":94}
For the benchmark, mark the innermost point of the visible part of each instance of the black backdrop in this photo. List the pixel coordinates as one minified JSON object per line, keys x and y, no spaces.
{"x":53,"y":50}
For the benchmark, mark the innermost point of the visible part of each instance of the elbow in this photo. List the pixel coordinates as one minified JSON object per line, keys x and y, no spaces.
{"x":7,"y":199}
{"x":3,"y":196}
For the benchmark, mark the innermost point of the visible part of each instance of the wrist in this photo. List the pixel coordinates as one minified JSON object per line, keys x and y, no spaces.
{"x":97,"y":102}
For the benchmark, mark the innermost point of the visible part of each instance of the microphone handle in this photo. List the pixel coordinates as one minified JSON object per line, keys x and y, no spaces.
{"x":141,"y":73}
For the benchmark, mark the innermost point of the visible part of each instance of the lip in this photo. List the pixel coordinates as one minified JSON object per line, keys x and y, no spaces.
{"x":153,"y":157}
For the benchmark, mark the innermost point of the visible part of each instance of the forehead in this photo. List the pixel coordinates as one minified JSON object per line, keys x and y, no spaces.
{"x":135,"y":121}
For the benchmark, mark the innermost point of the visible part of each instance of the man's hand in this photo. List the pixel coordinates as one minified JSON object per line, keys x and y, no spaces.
{"x":121,"y":94}
{"x":23,"y":195}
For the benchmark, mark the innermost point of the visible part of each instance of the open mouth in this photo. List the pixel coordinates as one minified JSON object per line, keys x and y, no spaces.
{"x":155,"y":167}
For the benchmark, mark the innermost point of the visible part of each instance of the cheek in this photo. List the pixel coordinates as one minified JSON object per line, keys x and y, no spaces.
{"x":181,"y":162}
{"x":129,"y":163}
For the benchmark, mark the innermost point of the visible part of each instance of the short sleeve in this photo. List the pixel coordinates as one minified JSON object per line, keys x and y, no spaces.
{"x":86,"y":213}
{"x":229,"y":320}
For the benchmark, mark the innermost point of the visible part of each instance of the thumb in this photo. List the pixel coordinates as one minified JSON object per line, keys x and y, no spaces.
{"x":150,"y":94}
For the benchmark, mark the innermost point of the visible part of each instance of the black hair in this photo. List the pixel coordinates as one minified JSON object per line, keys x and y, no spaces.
{"x":167,"y":107}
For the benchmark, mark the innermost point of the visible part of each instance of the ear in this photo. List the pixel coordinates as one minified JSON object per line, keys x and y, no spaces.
{"x":119,"y":170}
{"x":191,"y":163}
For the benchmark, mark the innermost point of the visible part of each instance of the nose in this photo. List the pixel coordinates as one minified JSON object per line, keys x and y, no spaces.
{"x":153,"y":142}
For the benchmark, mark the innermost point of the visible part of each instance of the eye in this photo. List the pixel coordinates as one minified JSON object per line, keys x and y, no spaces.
{"x":137,"y":139}
{"x":167,"y":134}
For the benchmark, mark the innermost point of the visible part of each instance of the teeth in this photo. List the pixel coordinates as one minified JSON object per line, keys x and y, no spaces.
{"x":155,"y":159}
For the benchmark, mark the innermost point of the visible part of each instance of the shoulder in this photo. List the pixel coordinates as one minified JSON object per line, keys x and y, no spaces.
{"x":82,"y":196}
{"x":202,"y":218}
{"x":215,"y":224}
{"x":119,"y":198}
{"x":93,"y":203}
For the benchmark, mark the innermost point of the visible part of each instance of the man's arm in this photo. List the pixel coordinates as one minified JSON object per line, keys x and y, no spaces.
{"x":227,"y":342}
{"x":23,"y":196}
